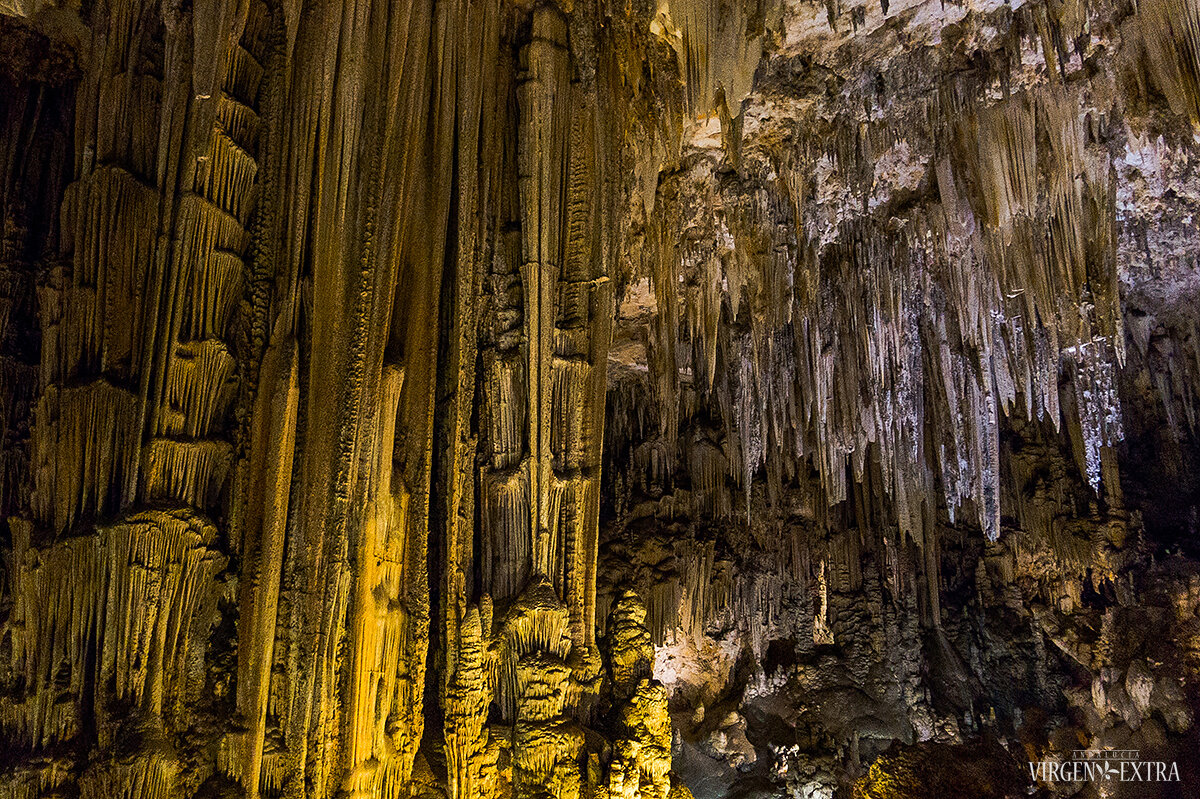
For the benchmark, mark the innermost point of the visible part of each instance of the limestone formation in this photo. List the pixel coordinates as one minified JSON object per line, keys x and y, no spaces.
{"x":575,"y":399}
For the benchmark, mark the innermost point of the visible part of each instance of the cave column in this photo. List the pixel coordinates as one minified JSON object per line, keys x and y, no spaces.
{"x":542,"y":153}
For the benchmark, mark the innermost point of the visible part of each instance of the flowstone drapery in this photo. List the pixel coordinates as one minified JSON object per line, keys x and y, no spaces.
{"x":585,"y":400}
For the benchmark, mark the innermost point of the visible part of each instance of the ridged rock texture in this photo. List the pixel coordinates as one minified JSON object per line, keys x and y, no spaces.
{"x":592,"y":400}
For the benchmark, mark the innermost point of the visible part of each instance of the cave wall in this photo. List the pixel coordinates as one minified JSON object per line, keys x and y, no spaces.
{"x":481,"y":399}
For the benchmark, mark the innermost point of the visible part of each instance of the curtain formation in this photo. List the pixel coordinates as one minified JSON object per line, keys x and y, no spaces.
{"x":303,"y":468}
{"x":321,"y":386}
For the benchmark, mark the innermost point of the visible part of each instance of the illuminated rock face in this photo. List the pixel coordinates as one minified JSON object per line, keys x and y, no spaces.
{"x":594,"y":401}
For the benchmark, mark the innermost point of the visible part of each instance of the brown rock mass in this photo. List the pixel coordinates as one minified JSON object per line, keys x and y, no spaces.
{"x":587,"y":400}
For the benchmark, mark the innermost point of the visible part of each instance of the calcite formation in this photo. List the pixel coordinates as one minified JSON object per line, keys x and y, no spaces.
{"x":591,"y":400}
{"x":641,"y":763}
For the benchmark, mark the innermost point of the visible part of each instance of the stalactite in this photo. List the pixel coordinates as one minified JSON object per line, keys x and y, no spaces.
{"x":228,"y":175}
{"x":108,"y":224}
{"x":122,"y":611}
{"x":334,"y":294}
{"x":381,"y":729}
{"x":716,"y":49}
{"x":192,"y":472}
{"x":472,"y":749}
{"x":116,"y":600}
{"x":85,"y":451}
{"x":1167,"y":52}
{"x":154,"y":777}
{"x":542,"y":155}
{"x":200,"y":382}
{"x":914,"y":350}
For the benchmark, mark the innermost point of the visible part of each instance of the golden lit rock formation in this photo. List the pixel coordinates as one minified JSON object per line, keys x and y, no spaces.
{"x":641,"y":762}
{"x":587,"y":400}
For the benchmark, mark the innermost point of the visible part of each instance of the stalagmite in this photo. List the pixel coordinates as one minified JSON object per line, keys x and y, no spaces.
{"x":641,"y":762}
{"x":472,"y":750}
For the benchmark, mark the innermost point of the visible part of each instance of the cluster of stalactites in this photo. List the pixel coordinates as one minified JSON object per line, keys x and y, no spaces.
{"x":697,"y":594}
{"x":115,"y":572}
{"x":887,"y":348}
{"x":103,"y":621}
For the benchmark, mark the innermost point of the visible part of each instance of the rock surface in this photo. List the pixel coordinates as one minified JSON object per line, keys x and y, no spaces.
{"x":591,"y":400}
